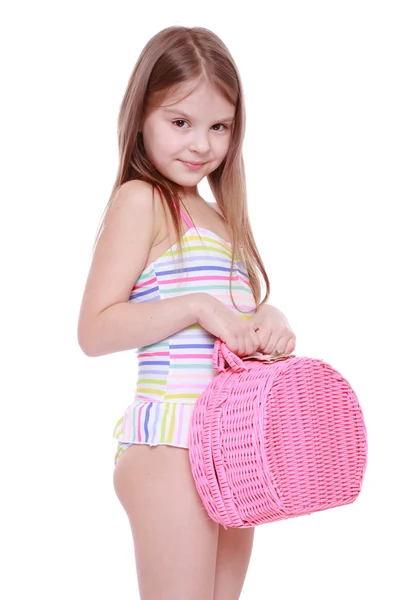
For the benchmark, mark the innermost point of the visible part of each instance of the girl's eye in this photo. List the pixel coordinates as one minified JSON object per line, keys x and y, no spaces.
{"x":178,"y":121}
{"x":222,"y":126}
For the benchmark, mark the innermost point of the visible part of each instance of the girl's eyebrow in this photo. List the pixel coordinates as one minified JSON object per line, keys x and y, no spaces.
{"x":181,"y":112}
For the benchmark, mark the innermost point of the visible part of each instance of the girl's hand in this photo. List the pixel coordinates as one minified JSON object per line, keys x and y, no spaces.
{"x":226,"y":324}
{"x":273,"y":329}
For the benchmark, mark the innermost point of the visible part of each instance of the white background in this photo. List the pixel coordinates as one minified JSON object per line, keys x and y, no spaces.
{"x":322,"y":155}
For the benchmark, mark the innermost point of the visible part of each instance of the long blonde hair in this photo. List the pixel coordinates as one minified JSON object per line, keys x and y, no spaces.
{"x":174,"y":56}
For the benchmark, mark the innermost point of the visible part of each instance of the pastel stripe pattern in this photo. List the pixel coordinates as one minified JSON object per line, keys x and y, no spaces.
{"x":174,"y":372}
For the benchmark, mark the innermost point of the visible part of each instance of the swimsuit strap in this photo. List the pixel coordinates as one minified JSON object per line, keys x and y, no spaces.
{"x":186,"y":218}
{"x":183,"y":215}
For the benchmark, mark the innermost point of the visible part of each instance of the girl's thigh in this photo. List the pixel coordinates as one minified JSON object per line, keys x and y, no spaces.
{"x":233,"y":557}
{"x":174,"y":539}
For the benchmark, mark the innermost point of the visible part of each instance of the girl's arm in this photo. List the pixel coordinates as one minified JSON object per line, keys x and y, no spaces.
{"x":128,"y":325}
{"x":108,"y":322}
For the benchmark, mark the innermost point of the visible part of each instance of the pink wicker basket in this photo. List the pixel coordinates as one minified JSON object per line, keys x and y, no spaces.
{"x":275,"y":439}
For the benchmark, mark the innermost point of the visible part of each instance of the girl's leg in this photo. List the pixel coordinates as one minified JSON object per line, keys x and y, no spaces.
{"x":234,"y":551}
{"x":174,"y":539}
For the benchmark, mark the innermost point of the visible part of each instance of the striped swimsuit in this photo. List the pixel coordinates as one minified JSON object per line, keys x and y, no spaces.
{"x":173,"y":373}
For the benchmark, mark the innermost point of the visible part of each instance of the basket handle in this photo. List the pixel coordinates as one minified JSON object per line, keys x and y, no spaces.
{"x":222,"y":354}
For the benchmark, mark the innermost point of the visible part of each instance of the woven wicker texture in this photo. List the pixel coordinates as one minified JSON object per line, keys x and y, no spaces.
{"x":274,"y":441}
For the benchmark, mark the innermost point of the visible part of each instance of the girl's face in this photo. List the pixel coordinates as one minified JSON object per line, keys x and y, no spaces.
{"x":196,"y":129}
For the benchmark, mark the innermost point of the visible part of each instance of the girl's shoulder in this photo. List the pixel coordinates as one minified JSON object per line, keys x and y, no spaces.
{"x":136,"y":189}
{"x":140,"y":196}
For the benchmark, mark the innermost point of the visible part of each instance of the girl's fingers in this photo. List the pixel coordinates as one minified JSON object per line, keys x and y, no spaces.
{"x":272,"y":345}
{"x":284,"y":346}
{"x":280,"y":344}
{"x":241,"y":345}
{"x":254,"y":342}
{"x":265,"y":341}
{"x":290,"y":346}
{"x":248,"y":343}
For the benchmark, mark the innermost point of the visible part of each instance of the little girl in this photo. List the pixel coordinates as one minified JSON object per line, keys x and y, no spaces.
{"x":171,"y":273}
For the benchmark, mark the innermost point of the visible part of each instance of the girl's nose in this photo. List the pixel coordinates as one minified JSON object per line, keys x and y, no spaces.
{"x":200,"y":144}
